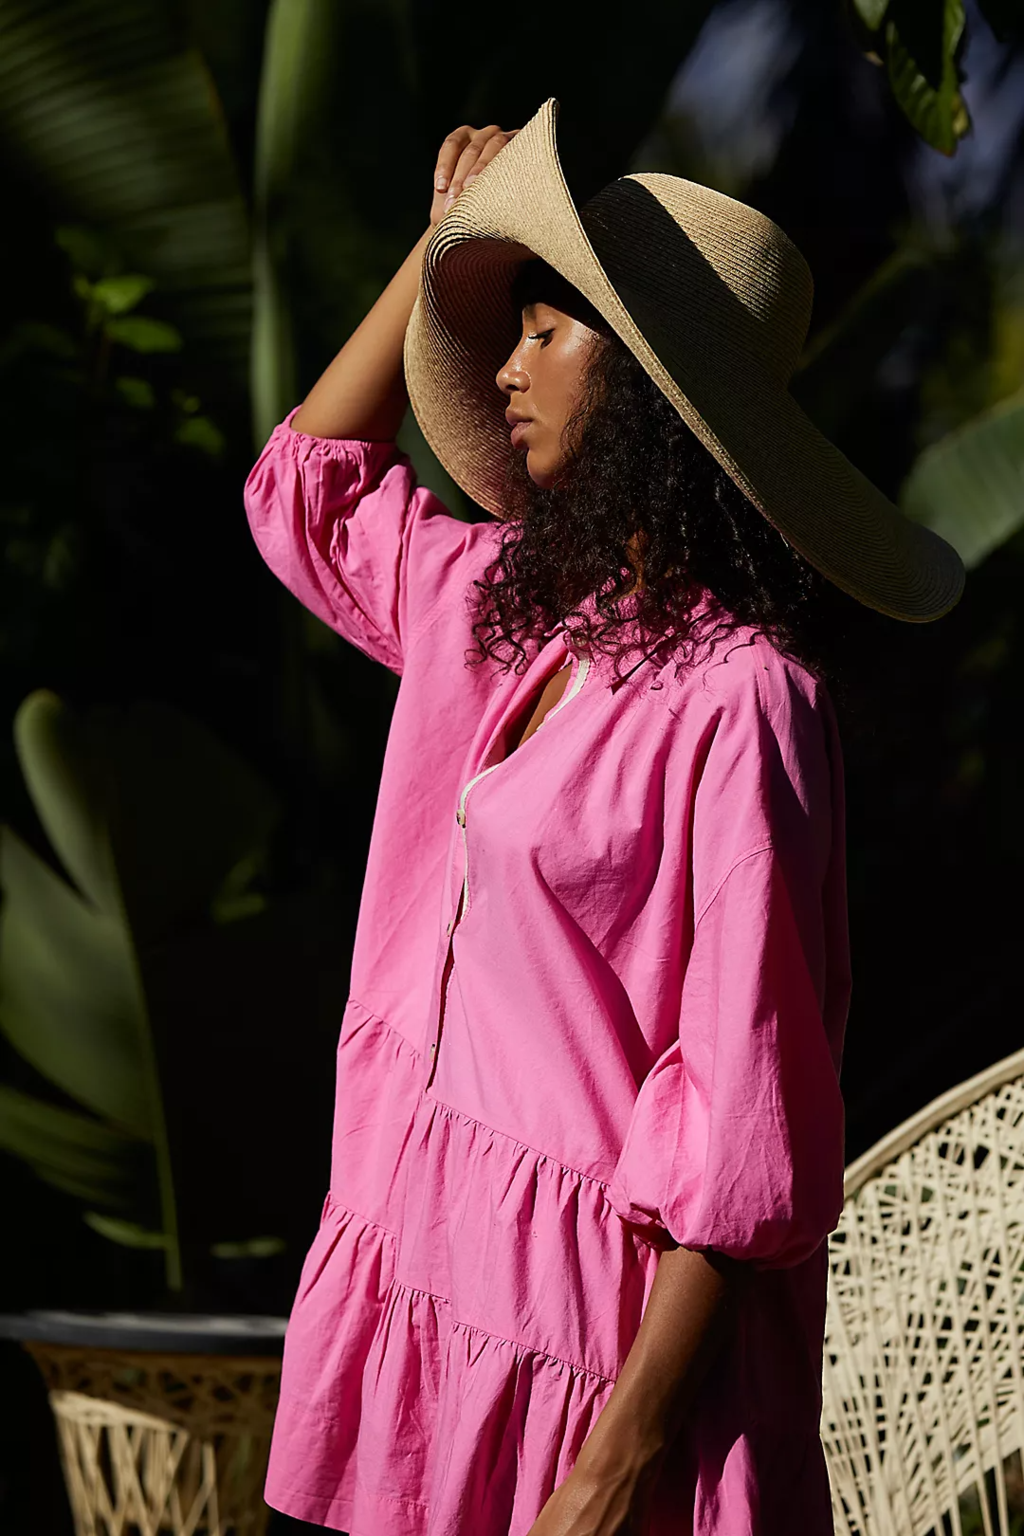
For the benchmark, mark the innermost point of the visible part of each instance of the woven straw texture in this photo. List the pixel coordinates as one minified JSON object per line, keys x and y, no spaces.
{"x":712,"y":298}
{"x":923,"y":1410}
{"x":154,"y":1443}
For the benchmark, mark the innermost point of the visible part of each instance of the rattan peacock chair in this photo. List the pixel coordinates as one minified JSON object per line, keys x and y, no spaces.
{"x":923,"y":1411}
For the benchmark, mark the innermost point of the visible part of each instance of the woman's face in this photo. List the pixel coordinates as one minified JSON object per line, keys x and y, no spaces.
{"x":541,"y":382}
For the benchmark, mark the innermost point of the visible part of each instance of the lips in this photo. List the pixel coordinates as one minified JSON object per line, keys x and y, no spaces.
{"x":517,"y":432}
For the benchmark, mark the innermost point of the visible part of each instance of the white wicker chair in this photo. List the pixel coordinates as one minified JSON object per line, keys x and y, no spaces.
{"x":923,"y":1415}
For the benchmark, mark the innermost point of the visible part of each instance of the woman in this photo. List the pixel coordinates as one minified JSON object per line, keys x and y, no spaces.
{"x":570,"y":1276}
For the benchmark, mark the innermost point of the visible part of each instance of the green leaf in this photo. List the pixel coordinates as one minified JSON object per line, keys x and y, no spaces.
{"x":128,"y":1233}
{"x":316,"y":244}
{"x":923,"y":41}
{"x":147,"y":809}
{"x":154,"y":817}
{"x":200,"y":432}
{"x":233,"y":909}
{"x":120,"y":294}
{"x":83,"y":248}
{"x":116,"y":122}
{"x":139,"y":333}
{"x":187,"y":809}
{"x":38,"y":336}
{"x":61,"y":563}
{"x":65,"y":780}
{"x":75,"y":1153}
{"x":236,"y":899}
{"x":286,"y":102}
{"x":969,"y":486}
{"x":69,"y":996}
{"x":871,"y":12}
{"x":254,"y":1248}
{"x":138,"y":393}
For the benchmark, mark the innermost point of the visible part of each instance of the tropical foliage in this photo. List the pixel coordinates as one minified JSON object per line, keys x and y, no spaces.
{"x":107,"y":967}
{"x":208,"y":198}
{"x":920,"y":43}
{"x":201,"y":201}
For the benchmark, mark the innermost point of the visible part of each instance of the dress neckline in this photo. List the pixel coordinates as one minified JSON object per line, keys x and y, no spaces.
{"x":555,"y":647}
{"x":549,"y":660}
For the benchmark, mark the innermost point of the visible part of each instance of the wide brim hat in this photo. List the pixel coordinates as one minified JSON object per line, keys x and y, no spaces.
{"x":712,"y":298}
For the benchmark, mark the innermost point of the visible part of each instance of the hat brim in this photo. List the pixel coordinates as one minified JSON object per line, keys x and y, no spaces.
{"x":463,"y":328}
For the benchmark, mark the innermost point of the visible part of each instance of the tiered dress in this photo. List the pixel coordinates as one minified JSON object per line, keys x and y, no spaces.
{"x":597,"y":1005}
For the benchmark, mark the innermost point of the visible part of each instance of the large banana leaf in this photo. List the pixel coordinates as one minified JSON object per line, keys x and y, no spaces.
{"x":159,"y":826}
{"x":78,"y":1154}
{"x":70,"y":999}
{"x":969,"y":486}
{"x":114,"y":116}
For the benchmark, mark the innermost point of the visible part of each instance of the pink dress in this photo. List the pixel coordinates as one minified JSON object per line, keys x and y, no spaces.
{"x":638,"y":1045}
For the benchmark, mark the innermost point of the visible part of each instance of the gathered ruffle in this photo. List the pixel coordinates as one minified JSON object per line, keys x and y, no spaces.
{"x":417,"y":1424}
{"x":453,"y":1343}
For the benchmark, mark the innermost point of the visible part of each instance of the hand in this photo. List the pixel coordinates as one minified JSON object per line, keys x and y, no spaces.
{"x":463,"y":155}
{"x":589,"y":1504}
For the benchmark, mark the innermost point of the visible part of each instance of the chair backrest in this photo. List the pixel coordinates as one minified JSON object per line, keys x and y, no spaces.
{"x":923,"y":1383}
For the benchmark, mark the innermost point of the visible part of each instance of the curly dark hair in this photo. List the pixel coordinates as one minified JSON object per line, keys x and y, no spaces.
{"x":635,"y":472}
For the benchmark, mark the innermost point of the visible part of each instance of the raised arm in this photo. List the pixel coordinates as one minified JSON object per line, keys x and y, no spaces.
{"x":333,"y":503}
{"x":361,"y":394}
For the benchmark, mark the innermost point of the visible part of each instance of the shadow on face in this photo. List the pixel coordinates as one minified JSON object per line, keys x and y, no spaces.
{"x":542,"y":377}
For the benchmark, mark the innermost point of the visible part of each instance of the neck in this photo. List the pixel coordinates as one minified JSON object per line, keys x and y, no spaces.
{"x":633,"y":546}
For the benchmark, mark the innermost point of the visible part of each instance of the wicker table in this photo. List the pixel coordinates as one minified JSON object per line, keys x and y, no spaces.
{"x":163,"y":1420}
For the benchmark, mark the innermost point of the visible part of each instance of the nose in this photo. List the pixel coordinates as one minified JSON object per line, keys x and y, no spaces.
{"x":512,"y":376}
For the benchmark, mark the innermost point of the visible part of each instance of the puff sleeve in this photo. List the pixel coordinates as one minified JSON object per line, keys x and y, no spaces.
{"x":343,"y":523}
{"x":736,"y":1140}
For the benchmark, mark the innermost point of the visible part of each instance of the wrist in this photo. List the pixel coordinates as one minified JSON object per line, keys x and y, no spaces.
{"x":626,"y":1452}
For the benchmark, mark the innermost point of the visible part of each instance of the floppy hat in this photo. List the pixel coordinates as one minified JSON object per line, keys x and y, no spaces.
{"x":712,"y":298}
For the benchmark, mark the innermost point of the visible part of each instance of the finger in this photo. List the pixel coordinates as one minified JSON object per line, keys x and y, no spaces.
{"x":468,"y":161}
{"x":470,"y":155}
{"x":494,"y":145}
{"x":448,"y":155}
{"x":492,"y":148}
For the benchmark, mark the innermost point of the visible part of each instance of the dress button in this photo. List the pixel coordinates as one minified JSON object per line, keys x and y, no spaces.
{"x":451,"y":928}
{"x":460,"y":816}
{"x":433,"y":1048}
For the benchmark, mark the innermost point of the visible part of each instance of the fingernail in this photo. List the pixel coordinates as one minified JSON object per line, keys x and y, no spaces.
{"x":469,"y":178}
{"x":440,"y":182}
{"x":449,"y":199}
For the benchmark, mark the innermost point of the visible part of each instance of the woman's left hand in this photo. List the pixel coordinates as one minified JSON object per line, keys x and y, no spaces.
{"x":587,"y":1504}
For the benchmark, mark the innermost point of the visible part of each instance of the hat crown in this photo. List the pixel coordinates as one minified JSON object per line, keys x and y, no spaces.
{"x":696,"y":268}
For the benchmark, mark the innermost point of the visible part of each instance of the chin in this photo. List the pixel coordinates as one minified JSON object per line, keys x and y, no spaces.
{"x":540,"y":476}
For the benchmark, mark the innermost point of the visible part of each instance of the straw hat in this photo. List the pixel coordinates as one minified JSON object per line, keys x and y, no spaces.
{"x":712,"y":298}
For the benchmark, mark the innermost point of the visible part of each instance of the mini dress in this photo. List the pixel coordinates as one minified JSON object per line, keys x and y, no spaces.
{"x":598,"y":996}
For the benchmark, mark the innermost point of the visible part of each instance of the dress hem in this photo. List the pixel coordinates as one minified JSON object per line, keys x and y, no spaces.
{"x":316,"y":1509}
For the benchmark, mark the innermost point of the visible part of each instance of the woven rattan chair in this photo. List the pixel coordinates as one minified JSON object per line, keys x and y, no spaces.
{"x":923,"y":1413}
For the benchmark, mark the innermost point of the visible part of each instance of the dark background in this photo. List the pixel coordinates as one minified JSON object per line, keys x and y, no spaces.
{"x":266,"y":169}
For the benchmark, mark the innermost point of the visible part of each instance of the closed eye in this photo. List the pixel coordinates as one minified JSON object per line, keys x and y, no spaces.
{"x":539,"y":335}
